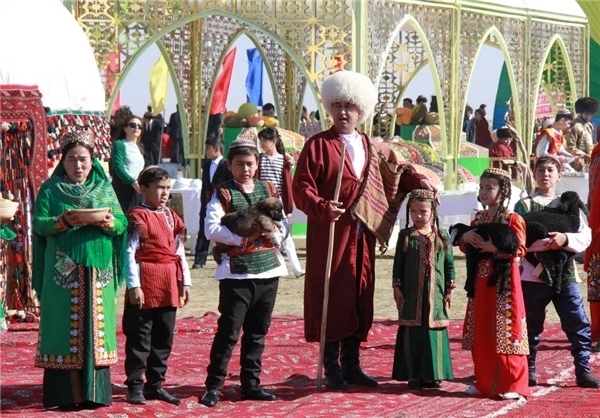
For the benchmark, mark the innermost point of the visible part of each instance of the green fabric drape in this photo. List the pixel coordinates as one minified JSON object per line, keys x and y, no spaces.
{"x":6,"y":233}
{"x":595,"y":69}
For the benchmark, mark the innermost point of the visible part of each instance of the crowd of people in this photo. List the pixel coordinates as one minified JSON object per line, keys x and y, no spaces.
{"x":571,"y":138}
{"x":80,"y":263}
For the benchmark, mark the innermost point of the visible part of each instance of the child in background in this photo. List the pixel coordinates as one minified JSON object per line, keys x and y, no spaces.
{"x":248,"y":278}
{"x":423,"y":280}
{"x":499,"y":348}
{"x":538,"y":294}
{"x":157,"y":279}
{"x":214,"y":173}
{"x":276,"y":166}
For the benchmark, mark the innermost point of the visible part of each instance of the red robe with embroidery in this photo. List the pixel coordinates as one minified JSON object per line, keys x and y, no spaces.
{"x":352,"y":283}
{"x":495,"y":328}
{"x":592,"y":254}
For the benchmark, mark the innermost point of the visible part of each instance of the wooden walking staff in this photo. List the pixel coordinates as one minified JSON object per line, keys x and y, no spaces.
{"x":336,"y":195}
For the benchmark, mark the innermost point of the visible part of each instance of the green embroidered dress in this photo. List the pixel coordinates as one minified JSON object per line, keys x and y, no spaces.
{"x":76,"y":273}
{"x":425,"y":275}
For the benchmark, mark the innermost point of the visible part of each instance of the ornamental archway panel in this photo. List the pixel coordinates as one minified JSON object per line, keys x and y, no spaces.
{"x":556,"y":78}
{"x":574,"y":41}
{"x":178,"y":43}
{"x":503,"y":32}
{"x":515,"y":66}
{"x":436,"y":22}
{"x":408,"y":53}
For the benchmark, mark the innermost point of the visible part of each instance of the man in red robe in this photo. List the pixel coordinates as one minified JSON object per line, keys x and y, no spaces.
{"x":349,"y":98}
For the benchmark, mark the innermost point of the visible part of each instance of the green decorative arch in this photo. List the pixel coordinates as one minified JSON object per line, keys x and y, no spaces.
{"x":501,"y":44}
{"x":172,"y":74}
{"x":178,"y":94}
{"x":155,"y":38}
{"x":556,"y":39}
{"x":409,"y":19}
{"x":262,"y":55}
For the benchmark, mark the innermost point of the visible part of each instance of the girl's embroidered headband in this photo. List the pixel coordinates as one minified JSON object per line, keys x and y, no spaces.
{"x":497,"y":172}
{"x":421,"y":194}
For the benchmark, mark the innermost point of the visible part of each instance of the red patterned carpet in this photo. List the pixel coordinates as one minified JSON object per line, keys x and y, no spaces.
{"x":289,"y":371}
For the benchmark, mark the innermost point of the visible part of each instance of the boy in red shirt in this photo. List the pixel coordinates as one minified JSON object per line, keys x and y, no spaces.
{"x":158,"y":278}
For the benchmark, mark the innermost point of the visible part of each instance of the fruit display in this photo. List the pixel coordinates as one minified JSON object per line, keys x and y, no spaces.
{"x":246,"y":116}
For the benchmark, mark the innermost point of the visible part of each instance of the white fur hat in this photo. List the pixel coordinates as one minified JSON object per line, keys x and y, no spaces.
{"x":352,"y":87}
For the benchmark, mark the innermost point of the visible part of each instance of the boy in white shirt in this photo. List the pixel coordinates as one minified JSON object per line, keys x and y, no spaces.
{"x":538,"y":294}
{"x":248,"y":278}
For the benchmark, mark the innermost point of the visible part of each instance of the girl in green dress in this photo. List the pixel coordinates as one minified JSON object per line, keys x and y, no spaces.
{"x":77,"y":268}
{"x":423,"y":280}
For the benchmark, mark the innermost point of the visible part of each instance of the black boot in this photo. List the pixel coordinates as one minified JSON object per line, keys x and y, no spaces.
{"x":351,"y":370}
{"x":333,"y":373}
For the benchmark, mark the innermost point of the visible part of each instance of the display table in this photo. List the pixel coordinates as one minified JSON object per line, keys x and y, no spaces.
{"x":186,"y":203}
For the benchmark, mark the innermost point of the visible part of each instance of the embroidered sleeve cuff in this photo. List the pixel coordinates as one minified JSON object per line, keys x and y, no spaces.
{"x":60,"y":224}
{"x":107,"y":226}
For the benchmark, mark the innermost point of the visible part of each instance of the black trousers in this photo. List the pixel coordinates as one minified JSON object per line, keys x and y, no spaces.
{"x":152,"y":154}
{"x":246,"y":305}
{"x":178,"y":156}
{"x":202,"y":243}
{"x":148,"y":343}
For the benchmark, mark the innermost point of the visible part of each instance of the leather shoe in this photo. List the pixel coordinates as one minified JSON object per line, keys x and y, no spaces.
{"x":257,"y":394}
{"x":414,"y":383}
{"x":334,"y":380}
{"x":431,"y":384}
{"x":586,"y":380}
{"x":532,"y":379}
{"x":210,"y":398}
{"x":162,"y":395}
{"x":357,"y":377}
{"x":135,"y":397}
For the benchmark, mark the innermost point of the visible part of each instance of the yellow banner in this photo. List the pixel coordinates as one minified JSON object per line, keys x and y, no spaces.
{"x":159,"y":81}
{"x":592,"y":10}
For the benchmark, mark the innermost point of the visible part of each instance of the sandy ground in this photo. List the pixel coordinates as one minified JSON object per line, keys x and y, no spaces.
{"x":205,"y":291}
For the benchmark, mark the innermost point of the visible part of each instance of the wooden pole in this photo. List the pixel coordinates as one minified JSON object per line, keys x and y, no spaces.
{"x":328,"y":274}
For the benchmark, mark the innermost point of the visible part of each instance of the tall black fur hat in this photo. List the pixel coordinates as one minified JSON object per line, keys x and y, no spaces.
{"x":587,"y":105}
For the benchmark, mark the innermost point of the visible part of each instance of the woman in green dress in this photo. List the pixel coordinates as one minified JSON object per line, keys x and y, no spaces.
{"x":77,"y":268}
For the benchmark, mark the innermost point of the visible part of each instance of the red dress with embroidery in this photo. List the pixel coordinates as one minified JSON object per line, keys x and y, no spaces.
{"x":592,"y":254}
{"x":495,"y":329}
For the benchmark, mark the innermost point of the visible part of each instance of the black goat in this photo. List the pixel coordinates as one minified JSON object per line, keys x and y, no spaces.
{"x":557,"y":264}
{"x":502,"y":237}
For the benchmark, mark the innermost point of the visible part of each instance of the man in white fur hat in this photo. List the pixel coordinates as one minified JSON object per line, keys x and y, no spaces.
{"x":349,"y":98}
